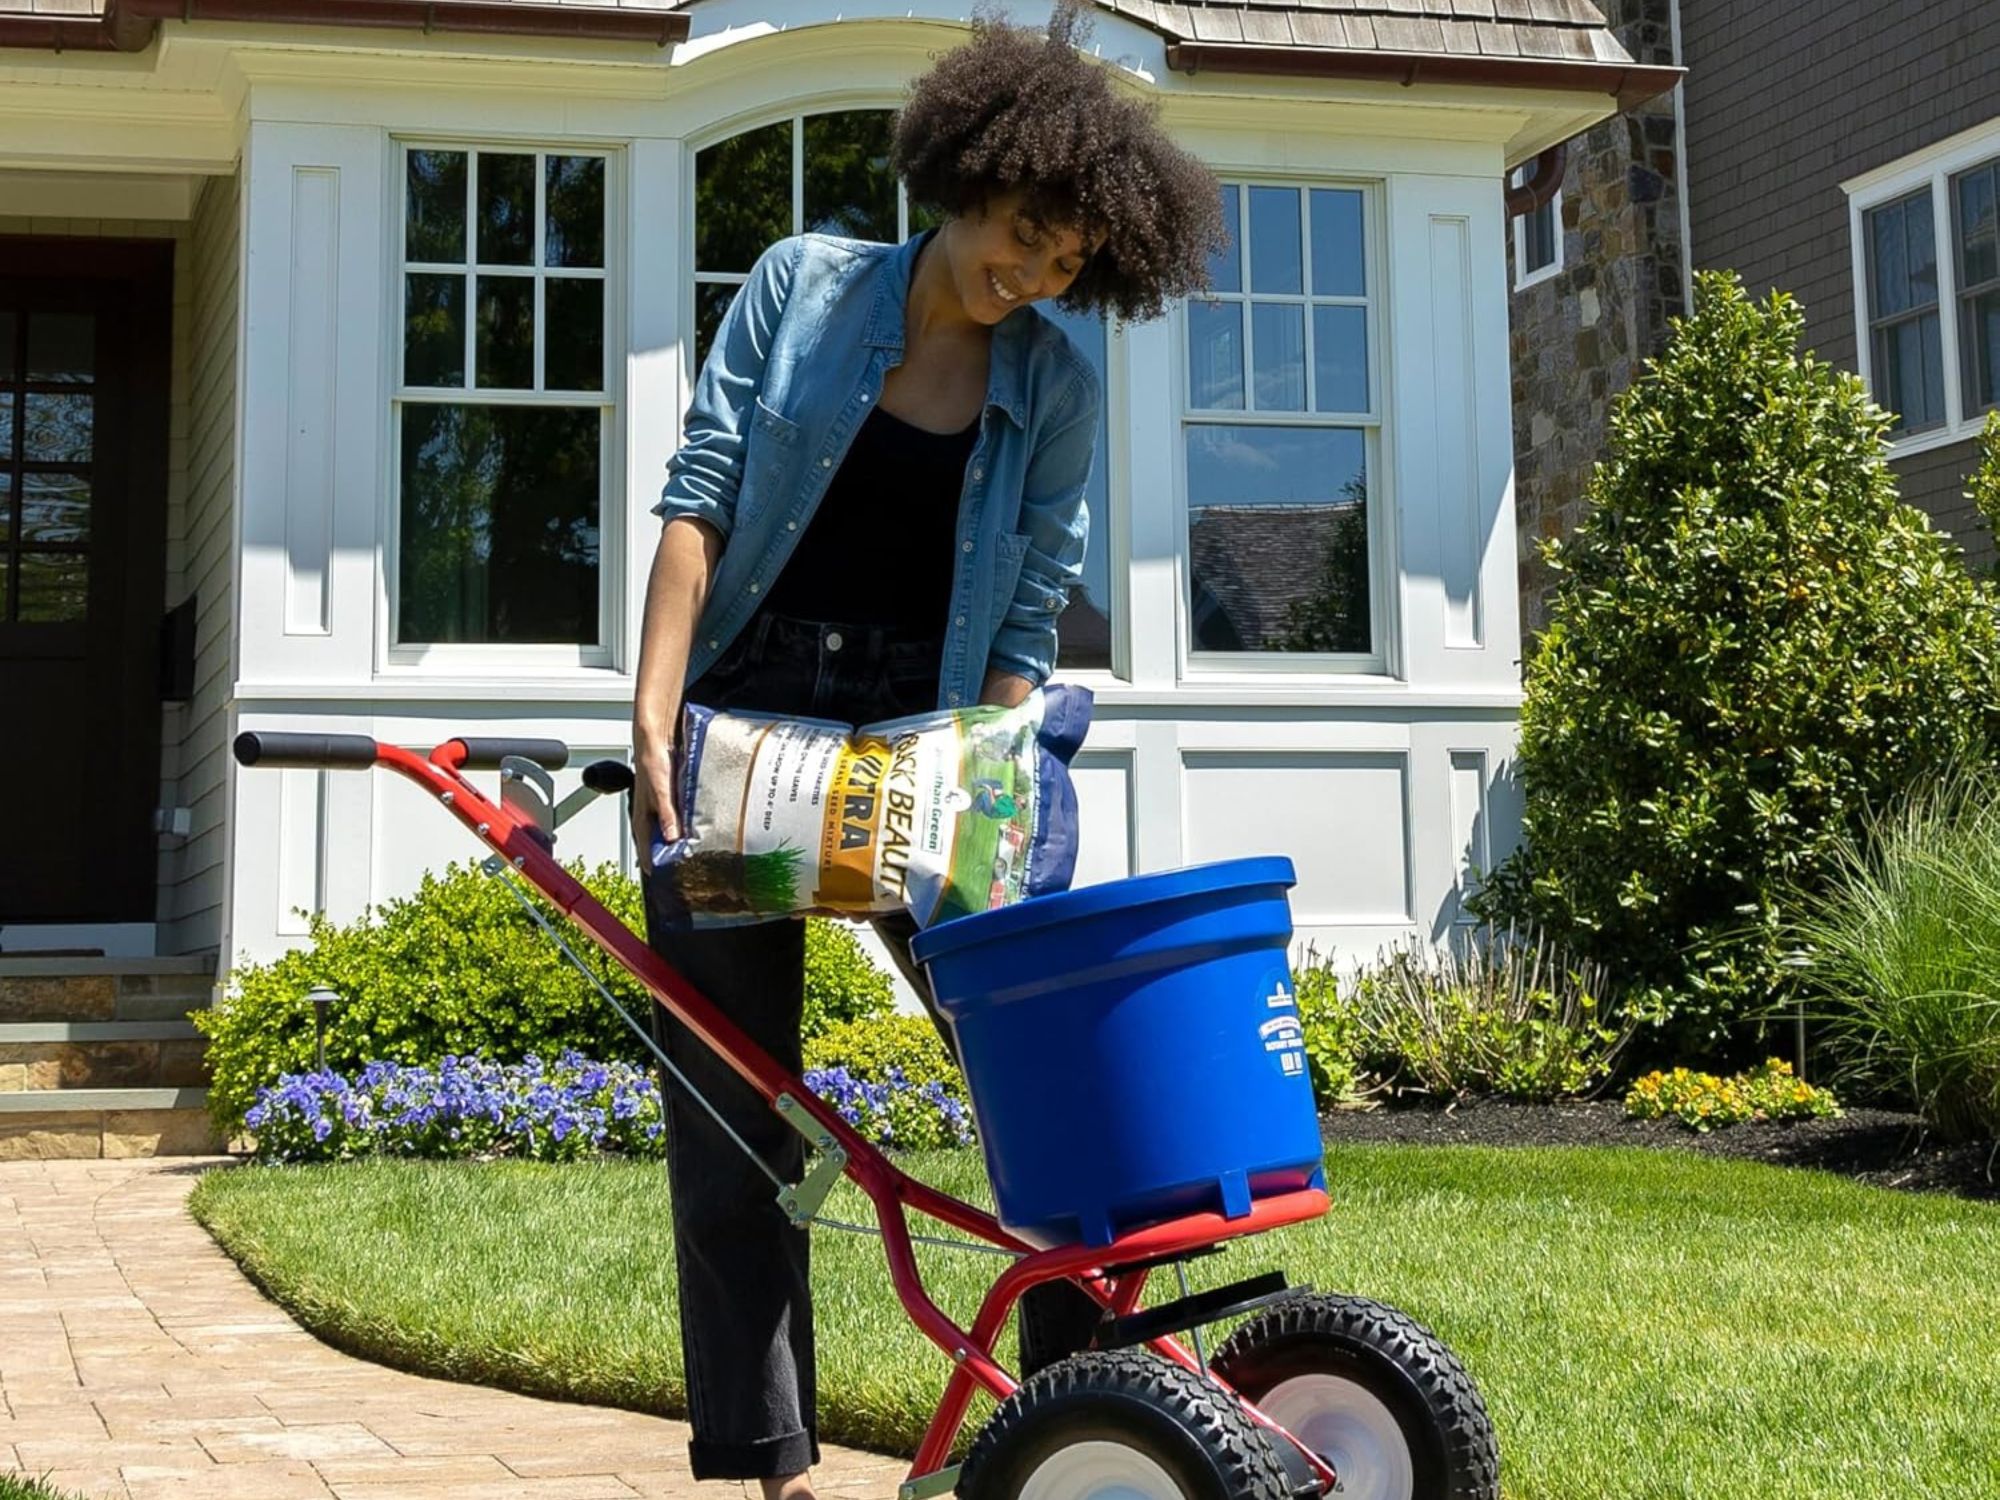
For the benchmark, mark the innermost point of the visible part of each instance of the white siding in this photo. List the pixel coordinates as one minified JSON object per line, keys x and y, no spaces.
{"x":202,"y":552}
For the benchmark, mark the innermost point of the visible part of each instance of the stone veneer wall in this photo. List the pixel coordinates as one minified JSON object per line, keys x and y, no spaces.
{"x":1580,"y":336}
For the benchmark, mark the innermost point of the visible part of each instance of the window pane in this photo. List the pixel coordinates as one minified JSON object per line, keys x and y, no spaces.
{"x":435,"y":206}
{"x":59,"y":430}
{"x":505,"y":355}
{"x":6,"y":514}
{"x":575,"y":235}
{"x":1274,"y":240}
{"x":6,"y":428}
{"x":55,"y":509}
{"x":711,"y":301}
{"x":1083,"y":631}
{"x":849,"y":189}
{"x":62,"y":348}
{"x":1215,"y":355}
{"x":55,"y":587}
{"x":506,"y":209}
{"x":1982,"y":351}
{"x":1922,"y":251}
{"x":1339,"y":269}
{"x":499,"y":524}
{"x":1910,"y":372}
{"x":433,"y":330}
{"x":1340,"y":358}
{"x":1279,"y":343}
{"x":1225,"y":269}
{"x":1278,"y":539}
{"x":6,"y":346}
{"x":1891,"y":272}
{"x":1540,"y":238}
{"x":742,"y":198}
{"x":1978,"y":231}
{"x":573,"y":334}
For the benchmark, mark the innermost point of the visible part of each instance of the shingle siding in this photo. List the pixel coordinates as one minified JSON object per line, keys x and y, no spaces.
{"x":1784,"y":103}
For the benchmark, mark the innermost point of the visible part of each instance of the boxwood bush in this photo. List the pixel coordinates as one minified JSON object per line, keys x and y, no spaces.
{"x":458,"y":970}
{"x":1751,"y":641}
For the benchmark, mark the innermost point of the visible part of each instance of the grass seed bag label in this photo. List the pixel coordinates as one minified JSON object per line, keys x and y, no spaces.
{"x":945,"y":814}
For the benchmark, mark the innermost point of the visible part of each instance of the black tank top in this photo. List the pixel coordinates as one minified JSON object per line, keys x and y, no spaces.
{"x":880,"y":550}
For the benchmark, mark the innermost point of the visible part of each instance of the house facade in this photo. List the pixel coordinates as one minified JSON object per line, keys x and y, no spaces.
{"x":343,"y":345}
{"x":1847,"y":153}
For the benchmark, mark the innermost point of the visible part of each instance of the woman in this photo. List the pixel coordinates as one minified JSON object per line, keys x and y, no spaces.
{"x":878,"y":510}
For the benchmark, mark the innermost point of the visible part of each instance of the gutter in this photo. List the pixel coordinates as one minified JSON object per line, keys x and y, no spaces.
{"x":131,"y":25}
{"x":1630,"y":84}
{"x":1545,"y":175}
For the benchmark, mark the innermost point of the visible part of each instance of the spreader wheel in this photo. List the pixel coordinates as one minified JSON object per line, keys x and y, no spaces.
{"x":1120,"y":1425}
{"x":1372,"y":1392}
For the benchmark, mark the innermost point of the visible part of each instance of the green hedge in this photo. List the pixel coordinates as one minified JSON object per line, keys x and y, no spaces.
{"x":458,"y":969}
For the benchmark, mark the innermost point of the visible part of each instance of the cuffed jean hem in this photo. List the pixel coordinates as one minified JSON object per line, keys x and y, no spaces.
{"x":767,"y":1458}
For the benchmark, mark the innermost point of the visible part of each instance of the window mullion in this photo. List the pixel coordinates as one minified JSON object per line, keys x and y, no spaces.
{"x":470,"y":268}
{"x":540,"y":260}
{"x":798,"y":174}
{"x":1306,"y":285}
{"x":1945,"y":222}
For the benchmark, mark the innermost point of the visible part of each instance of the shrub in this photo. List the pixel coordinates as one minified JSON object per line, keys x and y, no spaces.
{"x":1901,"y":954}
{"x":1982,"y":487}
{"x":1703,"y":1102}
{"x":457,"y":970}
{"x":1750,"y":640}
{"x":1491,"y":1014}
{"x":1332,"y":1031}
{"x":892,"y":1079}
{"x":842,"y":982}
{"x":465,"y":1107}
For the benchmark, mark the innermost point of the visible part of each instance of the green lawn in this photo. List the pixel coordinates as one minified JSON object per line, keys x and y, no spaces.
{"x":1644,"y":1324}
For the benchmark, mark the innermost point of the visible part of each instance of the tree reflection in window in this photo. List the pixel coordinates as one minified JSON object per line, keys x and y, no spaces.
{"x":818,"y":174}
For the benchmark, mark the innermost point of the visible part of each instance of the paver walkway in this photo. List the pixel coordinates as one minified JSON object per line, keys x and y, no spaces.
{"x":136,"y":1361}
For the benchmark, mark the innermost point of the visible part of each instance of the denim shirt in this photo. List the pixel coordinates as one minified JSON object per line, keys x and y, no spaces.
{"x":795,"y":368}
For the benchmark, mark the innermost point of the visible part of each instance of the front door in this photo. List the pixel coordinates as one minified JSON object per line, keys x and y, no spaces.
{"x":84,"y":390}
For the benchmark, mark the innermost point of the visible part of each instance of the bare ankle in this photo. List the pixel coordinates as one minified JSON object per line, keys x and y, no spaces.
{"x":791,"y":1487}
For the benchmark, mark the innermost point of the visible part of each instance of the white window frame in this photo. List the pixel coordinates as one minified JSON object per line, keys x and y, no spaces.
{"x":1270,"y":668}
{"x":1110,"y":531}
{"x":1932,"y":168}
{"x":1524,"y":278}
{"x":396,"y":658}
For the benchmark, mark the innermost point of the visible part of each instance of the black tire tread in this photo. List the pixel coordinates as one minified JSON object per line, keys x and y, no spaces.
{"x":1446,"y":1388}
{"x":1250,"y":1466}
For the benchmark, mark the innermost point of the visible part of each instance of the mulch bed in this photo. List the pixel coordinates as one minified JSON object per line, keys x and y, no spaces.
{"x":1871,"y":1145}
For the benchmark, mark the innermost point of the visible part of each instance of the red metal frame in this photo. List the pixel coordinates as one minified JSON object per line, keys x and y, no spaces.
{"x":889,"y":1189}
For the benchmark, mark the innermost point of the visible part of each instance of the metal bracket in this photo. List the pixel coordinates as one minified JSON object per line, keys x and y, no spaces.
{"x":575,"y":802}
{"x":942,"y":1482}
{"x":529,"y":791}
{"x":801,"y":1201}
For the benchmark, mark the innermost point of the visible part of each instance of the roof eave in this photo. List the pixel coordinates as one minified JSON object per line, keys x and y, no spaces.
{"x":1631,"y":84}
{"x":130,"y":25}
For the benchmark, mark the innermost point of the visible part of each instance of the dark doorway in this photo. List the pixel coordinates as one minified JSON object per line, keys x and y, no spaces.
{"x":85,"y":379}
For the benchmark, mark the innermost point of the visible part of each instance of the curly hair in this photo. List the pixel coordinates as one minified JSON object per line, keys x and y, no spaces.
{"x":1013,"y":110}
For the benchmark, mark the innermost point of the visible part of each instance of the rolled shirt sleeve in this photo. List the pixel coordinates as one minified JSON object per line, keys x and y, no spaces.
{"x":705,"y":473}
{"x":1056,"y":522}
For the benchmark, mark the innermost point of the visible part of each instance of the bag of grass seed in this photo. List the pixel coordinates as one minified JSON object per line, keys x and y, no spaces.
{"x":944,"y":814}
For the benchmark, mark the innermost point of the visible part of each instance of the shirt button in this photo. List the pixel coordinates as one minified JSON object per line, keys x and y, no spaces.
{"x":826,"y":463}
{"x":954,"y":700}
{"x":833,"y":640}
{"x":864,"y":398}
{"x":753,"y":588}
{"x":960,"y":621}
{"x":978,"y":473}
{"x":966,"y":548}
{"x":712,"y":645}
{"x":791,"y":525}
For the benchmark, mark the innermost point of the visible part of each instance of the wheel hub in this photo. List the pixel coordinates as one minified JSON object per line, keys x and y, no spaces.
{"x":1348,"y":1427}
{"x":1100,"y":1471}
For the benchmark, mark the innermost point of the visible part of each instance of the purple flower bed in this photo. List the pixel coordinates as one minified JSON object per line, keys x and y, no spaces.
{"x":572,"y":1108}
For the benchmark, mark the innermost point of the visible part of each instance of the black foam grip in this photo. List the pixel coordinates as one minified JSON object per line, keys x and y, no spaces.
{"x":486,"y":754}
{"x":333,"y":752}
{"x":608,"y":776}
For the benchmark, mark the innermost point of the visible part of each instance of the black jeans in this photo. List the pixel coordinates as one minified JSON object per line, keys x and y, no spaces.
{"x":745,"y":1297}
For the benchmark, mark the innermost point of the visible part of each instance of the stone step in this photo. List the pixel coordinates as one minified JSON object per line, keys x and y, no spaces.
{"x":104,"y":989}
{"x":39,"y":1055}
{"x":44,"y":1124}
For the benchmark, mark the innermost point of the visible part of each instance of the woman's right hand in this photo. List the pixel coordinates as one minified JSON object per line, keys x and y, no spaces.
{"x":652,"y":796}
